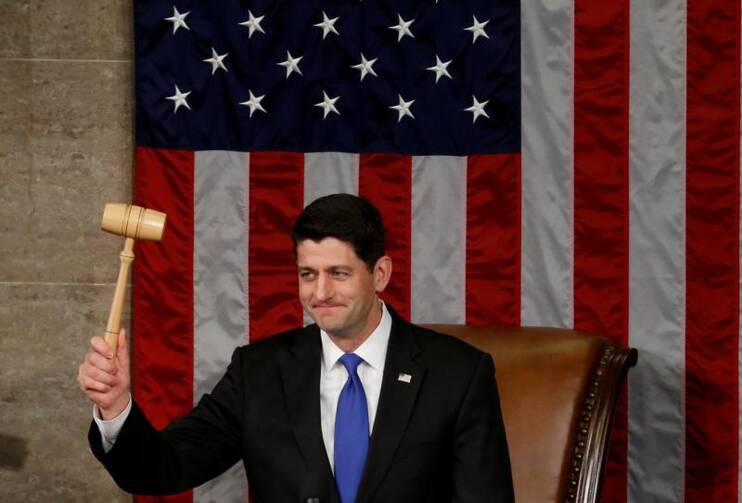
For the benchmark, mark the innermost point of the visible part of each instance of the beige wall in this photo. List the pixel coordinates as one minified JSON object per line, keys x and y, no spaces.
{"x":66,"y":99}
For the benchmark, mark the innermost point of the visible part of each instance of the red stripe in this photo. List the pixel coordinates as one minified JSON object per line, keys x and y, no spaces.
{"x":493,"y":225}
{"x":712,"y":241}
{"x":276,"y":199}
{"x":163,"y":321}
{"x":601,"y":212}
{"x":386,"y":181}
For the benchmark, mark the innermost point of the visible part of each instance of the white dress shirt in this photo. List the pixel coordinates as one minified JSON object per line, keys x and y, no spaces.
{"x":332,"y":379}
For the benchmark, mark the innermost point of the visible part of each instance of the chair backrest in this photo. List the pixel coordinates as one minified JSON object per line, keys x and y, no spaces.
{"x":558,"y":390}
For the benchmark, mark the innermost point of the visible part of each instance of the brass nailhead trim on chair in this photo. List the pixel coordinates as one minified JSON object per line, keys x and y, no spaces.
{"x":584,"y":425}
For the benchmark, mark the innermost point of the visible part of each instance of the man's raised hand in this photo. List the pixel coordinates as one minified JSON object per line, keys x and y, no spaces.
{"x":106,"y":380}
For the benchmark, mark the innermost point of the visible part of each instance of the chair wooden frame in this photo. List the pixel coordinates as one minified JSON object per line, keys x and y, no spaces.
{"x":593,"y":433}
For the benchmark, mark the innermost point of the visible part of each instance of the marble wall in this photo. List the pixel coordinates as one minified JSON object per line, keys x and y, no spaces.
{"x":66,"y":144}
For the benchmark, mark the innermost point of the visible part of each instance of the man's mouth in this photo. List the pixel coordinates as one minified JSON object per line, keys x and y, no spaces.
{"x":326,"y":306}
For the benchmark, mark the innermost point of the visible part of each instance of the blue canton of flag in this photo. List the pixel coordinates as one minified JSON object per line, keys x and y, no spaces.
{"x":417,"y":78}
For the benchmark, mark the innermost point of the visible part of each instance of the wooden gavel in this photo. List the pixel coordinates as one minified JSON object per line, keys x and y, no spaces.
{"x":132,"y":222}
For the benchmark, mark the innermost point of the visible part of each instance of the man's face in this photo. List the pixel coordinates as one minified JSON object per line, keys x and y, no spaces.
{"x":337,"y":289}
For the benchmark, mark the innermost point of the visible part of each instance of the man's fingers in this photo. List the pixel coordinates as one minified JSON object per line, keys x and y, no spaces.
{"x":103,"y":377}
{"x":99,"y":345}
{"x":99,"y":361}
{"x":89,"y":384}
{"x":87,"y":373}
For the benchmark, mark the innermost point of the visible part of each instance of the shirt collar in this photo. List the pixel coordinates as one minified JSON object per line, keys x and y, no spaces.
{"x":373,"y":349}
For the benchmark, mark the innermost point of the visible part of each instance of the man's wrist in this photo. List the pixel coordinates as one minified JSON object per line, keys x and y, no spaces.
{"x":110,"y":428}
{"x":115,"y":410}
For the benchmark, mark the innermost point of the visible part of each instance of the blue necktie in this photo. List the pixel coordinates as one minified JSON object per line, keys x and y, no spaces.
{"x":351,"y":432}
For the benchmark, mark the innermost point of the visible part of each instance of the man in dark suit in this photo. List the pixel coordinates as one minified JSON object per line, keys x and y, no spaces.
{"x":360,"y":407}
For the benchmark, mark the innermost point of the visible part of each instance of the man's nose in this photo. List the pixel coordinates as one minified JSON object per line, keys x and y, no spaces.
{"x":324,"y":288}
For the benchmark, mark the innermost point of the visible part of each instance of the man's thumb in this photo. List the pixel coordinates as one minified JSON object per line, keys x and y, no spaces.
{"x":123,"y":349}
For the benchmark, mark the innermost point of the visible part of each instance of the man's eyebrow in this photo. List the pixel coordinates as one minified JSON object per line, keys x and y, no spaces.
{"x":338,"y":267}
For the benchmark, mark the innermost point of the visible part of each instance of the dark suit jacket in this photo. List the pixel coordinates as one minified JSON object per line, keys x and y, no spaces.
{"x":438,"y":438}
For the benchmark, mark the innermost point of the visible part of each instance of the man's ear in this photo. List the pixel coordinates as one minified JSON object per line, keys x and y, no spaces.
{"x":382,"y":273}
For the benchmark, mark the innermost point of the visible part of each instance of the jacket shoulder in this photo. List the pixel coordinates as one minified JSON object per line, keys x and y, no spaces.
{"x":275,"y":344}
{"x":445,"y":346}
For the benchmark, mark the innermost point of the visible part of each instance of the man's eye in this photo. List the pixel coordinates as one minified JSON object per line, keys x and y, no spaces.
{"x":340,"y":274}
{"x":306,"y":275}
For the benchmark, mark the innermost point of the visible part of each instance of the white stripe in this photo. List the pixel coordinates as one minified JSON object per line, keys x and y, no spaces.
{"x":329,"y":173}
{"x":547,"y":162}
{"x":656,"y":255}
{"x":438,"y":233}
{"x":221,"y":185}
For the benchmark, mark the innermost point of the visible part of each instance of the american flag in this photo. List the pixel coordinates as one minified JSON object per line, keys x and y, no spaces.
{"x":548,"y":162}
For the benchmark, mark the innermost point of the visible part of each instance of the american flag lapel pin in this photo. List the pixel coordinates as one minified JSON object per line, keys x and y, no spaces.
{"x":403,"y":377}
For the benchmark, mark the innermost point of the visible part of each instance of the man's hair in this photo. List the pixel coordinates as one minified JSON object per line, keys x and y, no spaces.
{"x":348,"y":218}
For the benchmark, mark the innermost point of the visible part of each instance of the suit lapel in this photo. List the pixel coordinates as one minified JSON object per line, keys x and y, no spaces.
{"x":300,"y":369}
{"x":396,"y":403}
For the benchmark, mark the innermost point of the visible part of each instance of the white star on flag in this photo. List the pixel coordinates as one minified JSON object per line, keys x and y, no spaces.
{"x":440,"y":68}
{"x":179,"y":98}
{"x":477,"y":29}
{"x":254,"y":103}
{"x":403,"y":108}
{"x":366,"y":67}
{"x":178,"y":19}
{"x":327,"y":104}
{"x":327,"y":25}
{"x":216,"y":60}
{"x":477,"y":109}
{"x":402,"y":27}
{"x":291,"y":64}
{"x":253,"y":23}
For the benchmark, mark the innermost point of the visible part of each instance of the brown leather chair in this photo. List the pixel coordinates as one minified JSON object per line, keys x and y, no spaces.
{"x":558,"y":390}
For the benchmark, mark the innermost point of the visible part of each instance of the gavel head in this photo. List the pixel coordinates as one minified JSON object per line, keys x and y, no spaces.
{"x":133,"y":221}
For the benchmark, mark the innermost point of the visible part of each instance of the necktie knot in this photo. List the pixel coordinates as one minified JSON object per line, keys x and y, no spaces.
{"x":351,"y":361}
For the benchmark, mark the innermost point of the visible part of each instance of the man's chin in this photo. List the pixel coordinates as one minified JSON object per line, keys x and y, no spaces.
{"x":326,"y":314}
{"x":326,"y":325}
{"x":334,"y":328}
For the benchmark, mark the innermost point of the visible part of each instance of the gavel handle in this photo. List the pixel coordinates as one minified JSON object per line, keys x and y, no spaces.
{"x":113,"y":327}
